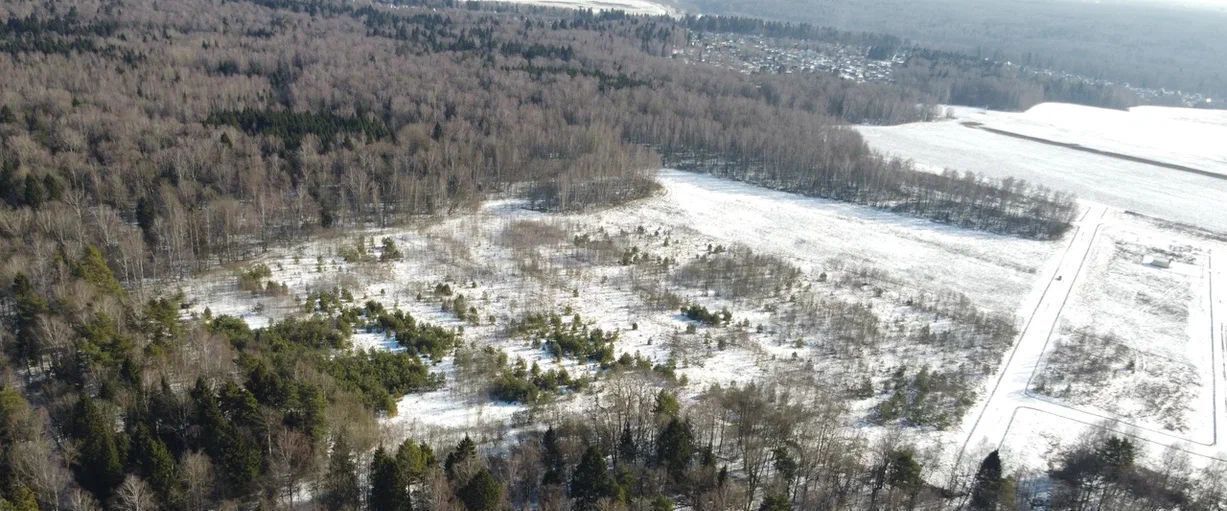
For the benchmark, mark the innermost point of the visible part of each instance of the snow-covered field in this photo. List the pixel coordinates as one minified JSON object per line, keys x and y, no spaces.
{"x":1168,"y":135}
{"x":1156,"y":191}
{"x":907,"y":274}
{"x":630,"y":6}
{"x":1110,"y":344}
{"x":1157,"y":377}
{"x":1217,"y":118}
{"x":993,"y":270}
{"x":1133,"y":336}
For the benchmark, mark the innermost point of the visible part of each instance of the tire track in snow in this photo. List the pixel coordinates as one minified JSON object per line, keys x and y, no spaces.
{"x":992,"y":400}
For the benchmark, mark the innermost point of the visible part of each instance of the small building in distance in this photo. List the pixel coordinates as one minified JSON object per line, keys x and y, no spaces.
{"x":1156,"y":261}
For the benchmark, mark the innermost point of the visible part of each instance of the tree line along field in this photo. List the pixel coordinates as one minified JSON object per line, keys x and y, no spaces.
{"x":319,"y":178}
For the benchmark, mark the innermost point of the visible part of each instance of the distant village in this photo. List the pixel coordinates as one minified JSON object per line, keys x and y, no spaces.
{"x":757,"y":54}
{"x":752,"y":54}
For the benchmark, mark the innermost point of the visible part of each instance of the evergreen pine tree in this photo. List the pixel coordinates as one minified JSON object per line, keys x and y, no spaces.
{"x":591,"y":480}
{"x":7,"y":115}
{"x":8,"y":182}
{"x":99,"y":468}
{"x":388,"y":493}
{"x":627,"y":450}
{"x":551,"y":457}
{"x":92,"y":268}
{"x":667,"y":405}
{"x":465,"y":452}
{"x":312,"y":404}
{"x":146,"y":215}
{"x":153,"y":460}
{"x":34,"y":193}
{"x":785,"y":465}
{"x":481,"y":493}
{"x":986,"y":489}
{"x":414,"y":460}
{"x":341,"y":490}
{"x":20,"y":498}
{"x":27,"y":306}
{"x":1117,"y":455}
{"x":661,"y":503}
{"x":236,"y":454}
{"x":675,"y":448}
{"x":52,"y":189}
{"x":904,"y":473}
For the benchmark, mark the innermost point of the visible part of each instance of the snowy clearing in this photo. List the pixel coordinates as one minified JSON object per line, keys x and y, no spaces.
{"x":864,"y":303}
{"x":876,"y":299}
{"x":1157,"y":374}
{"x":1196,"y":115}
{"x":1165,"y":193}
{"x":1131,"y":339}
{"x":1161,"y":134}
{"x":1113,"y":342}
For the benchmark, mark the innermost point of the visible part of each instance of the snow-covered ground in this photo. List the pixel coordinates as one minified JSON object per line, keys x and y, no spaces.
{"x":814,"y":234}
{"x":1132,"y":338}
{"x":1088,"y":287}
{"x":986,"y":425}
{"x":1156,"y":191}
{"x":845,"y":254}
{"x":1217,"y":118}
{"x":1153,"y":368}
{"x":1162,"y":134}
{"x":508,"y":261}
{"x":630,"y":6}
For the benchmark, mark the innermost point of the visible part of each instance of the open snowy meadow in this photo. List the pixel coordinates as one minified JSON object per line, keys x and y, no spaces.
{"x":1179,"y":136}
{"x":1179,"y":196}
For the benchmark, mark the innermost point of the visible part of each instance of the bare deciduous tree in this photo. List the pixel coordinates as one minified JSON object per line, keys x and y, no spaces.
{"x":134,"y":494}
{"x":197,"y":478}
{"x":37,"y":463}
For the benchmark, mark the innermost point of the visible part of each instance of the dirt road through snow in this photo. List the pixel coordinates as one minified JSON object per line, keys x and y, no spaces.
{"x":1009,"y":408}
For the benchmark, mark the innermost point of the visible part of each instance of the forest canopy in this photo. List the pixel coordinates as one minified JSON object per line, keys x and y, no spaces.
{"x":142,"y":141}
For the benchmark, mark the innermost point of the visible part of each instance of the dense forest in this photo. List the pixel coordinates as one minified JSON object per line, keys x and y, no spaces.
{"x":260,"y":133}
{"x":142,"y":141}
